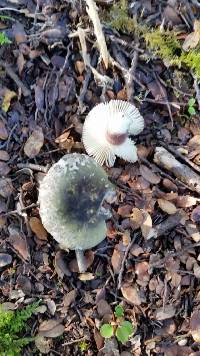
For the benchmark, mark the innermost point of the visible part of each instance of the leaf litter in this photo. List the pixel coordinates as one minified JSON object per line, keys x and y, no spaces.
{"x":65,"y":57}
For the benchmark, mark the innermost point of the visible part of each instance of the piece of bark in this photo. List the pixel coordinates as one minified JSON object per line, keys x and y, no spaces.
{"x":185,"y":174}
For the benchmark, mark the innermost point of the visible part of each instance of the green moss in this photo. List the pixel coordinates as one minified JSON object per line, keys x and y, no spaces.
{"x":164,"y":45}
{"x":12,"y":323}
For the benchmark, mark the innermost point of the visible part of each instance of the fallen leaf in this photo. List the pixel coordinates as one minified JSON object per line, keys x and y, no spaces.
{"x":4,"y":156}
{"x":192,"y":40}
{"x":8,"y":96}
{"x":195,"y":326}
{"x":19,"y":244}
{"x":38,"y":229}
{"x":103,"y":308}
{"x":149,"y":175}
{"x":146,"y":225}
{"x":61,"y":264}
{"x":87,"y":276}
{"x":4,"y":169}
{"x":69,"y":298}
{"x":131,"y":295}
{"x":136,"y":218}
{"x":43,"y":344}
{"x":195,"y":215}
{"x":34,"y":143}
{"x":167,"y":206}
{"x":51,"y":328}
{"x":116,"y":260}
{"x":80,"y":66}
{"x":194,"y":142}
{"x":3,"y":131}
{"x":186,"y":201}
{"x":5,"y":259}
{"x":193,"y":231}
{"x":166,"y":312}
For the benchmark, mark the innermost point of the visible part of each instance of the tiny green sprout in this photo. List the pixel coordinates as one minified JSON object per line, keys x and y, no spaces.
{"x":83,"y":346}
{"x":119,"y":311}
{"x":124,"y":331}
{"x":4,"y":39}
{"x":106,"y":331}
{"x":191,"y":109}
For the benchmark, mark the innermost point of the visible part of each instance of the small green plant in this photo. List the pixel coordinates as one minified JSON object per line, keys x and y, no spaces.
{"x":120,"y":327}
{"x":83,"y":346}
{"x":191,"y":109}
{"x":12,"y":324}
{"x":4,"y":39}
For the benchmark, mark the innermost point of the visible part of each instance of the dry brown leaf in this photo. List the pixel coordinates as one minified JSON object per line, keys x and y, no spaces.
{"x":167,"y":206}
{"x":43,"y":344}
{"x":6,"y":187}
{"x":194,"y":142}
{"x":195,"y":215}
{"x":136,"y":218}
{"x":51,"y":328}
{"x":87,"y":276}
{"x":192,"y":40}
{"x":8,"y":96}
{"x":4,"y":156}
{"x":19,"y":244}
{"x":61,"y":264}
{"x":131,"y":295}
{"x":195,"y":326}
{"x":4,"y":169}
{"x":149,"y":175}
{"x":186,"y":201}
{"x":69,"y":298}
{"x":103,"y":308}
{"x":193,"y":231}
{"x":116,"y":260}
{"x":146,"y":225}
{"x":38,"y":229}
{"x":166,"y":312}
{"x":3,"y":131}
{"x":34,"y":143}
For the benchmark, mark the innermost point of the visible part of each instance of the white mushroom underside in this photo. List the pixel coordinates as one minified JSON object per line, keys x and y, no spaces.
{"x":108,"y":118}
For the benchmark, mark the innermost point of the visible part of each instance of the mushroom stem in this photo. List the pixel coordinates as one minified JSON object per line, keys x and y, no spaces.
{"x":81,"y":260}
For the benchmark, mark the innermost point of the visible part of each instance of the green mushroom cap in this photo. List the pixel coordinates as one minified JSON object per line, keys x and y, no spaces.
{"x":70,"y":198}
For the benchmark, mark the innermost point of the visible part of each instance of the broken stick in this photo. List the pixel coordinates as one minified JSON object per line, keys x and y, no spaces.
{"x":184,"y":173}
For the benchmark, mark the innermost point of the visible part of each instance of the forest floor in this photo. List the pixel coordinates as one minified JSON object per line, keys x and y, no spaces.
{"x":150,"y":260}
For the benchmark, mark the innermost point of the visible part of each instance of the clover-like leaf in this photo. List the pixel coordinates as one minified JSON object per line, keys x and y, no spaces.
{"x":191,"y":102}
{"x":191,"y":110}
{"x":119,"y":311}
{"x":106,"y":331}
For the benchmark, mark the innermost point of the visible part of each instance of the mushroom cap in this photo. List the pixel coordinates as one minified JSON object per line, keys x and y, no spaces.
{"x":70,"y":198}
{"x":106,"y":130}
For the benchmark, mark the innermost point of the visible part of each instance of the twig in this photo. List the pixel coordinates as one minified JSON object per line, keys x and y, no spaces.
{"x":14,"y":76}
{"x":130,"y":77}
{"x":74,"y":341}
{"x":120,"y":276}
{"x":34,"y":167}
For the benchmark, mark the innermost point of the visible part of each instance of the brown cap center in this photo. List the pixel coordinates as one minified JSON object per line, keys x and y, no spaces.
{"x":116,"y":139}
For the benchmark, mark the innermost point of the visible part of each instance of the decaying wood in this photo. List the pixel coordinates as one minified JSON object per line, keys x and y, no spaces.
{"x":184,"y":173}
{"x":93,"y":14}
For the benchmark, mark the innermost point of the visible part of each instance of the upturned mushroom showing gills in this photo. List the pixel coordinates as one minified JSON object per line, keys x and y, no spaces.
{"x":71,"y":197}
{"x":106,"y":131}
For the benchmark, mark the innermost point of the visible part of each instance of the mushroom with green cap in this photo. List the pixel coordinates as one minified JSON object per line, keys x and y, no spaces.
{"x":70,"y":198}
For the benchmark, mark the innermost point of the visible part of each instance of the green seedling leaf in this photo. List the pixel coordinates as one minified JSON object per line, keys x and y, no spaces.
{"x":122,"y":334}
{"x":191,"y":102}
{"x":4,"y":39}
{"x":119,"y":311}
{"x":129,"y":326}
{"x":191,"y":110}
{"x":106,"y":331}
{"x":124,"y":331}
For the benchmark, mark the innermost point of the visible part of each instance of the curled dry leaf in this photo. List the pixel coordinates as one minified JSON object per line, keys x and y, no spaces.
{"x":51,"y":328}
{"x":131,"y":295}
{"x":166,"y":312}
{"x":146,"y":225}
{"x":149,"y":175}
{"x":38,"y":229}
{"x":34,"y":143}
{"x":186,"y":201}
{"x":167,"y":206}
{"x":195,"y":326}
